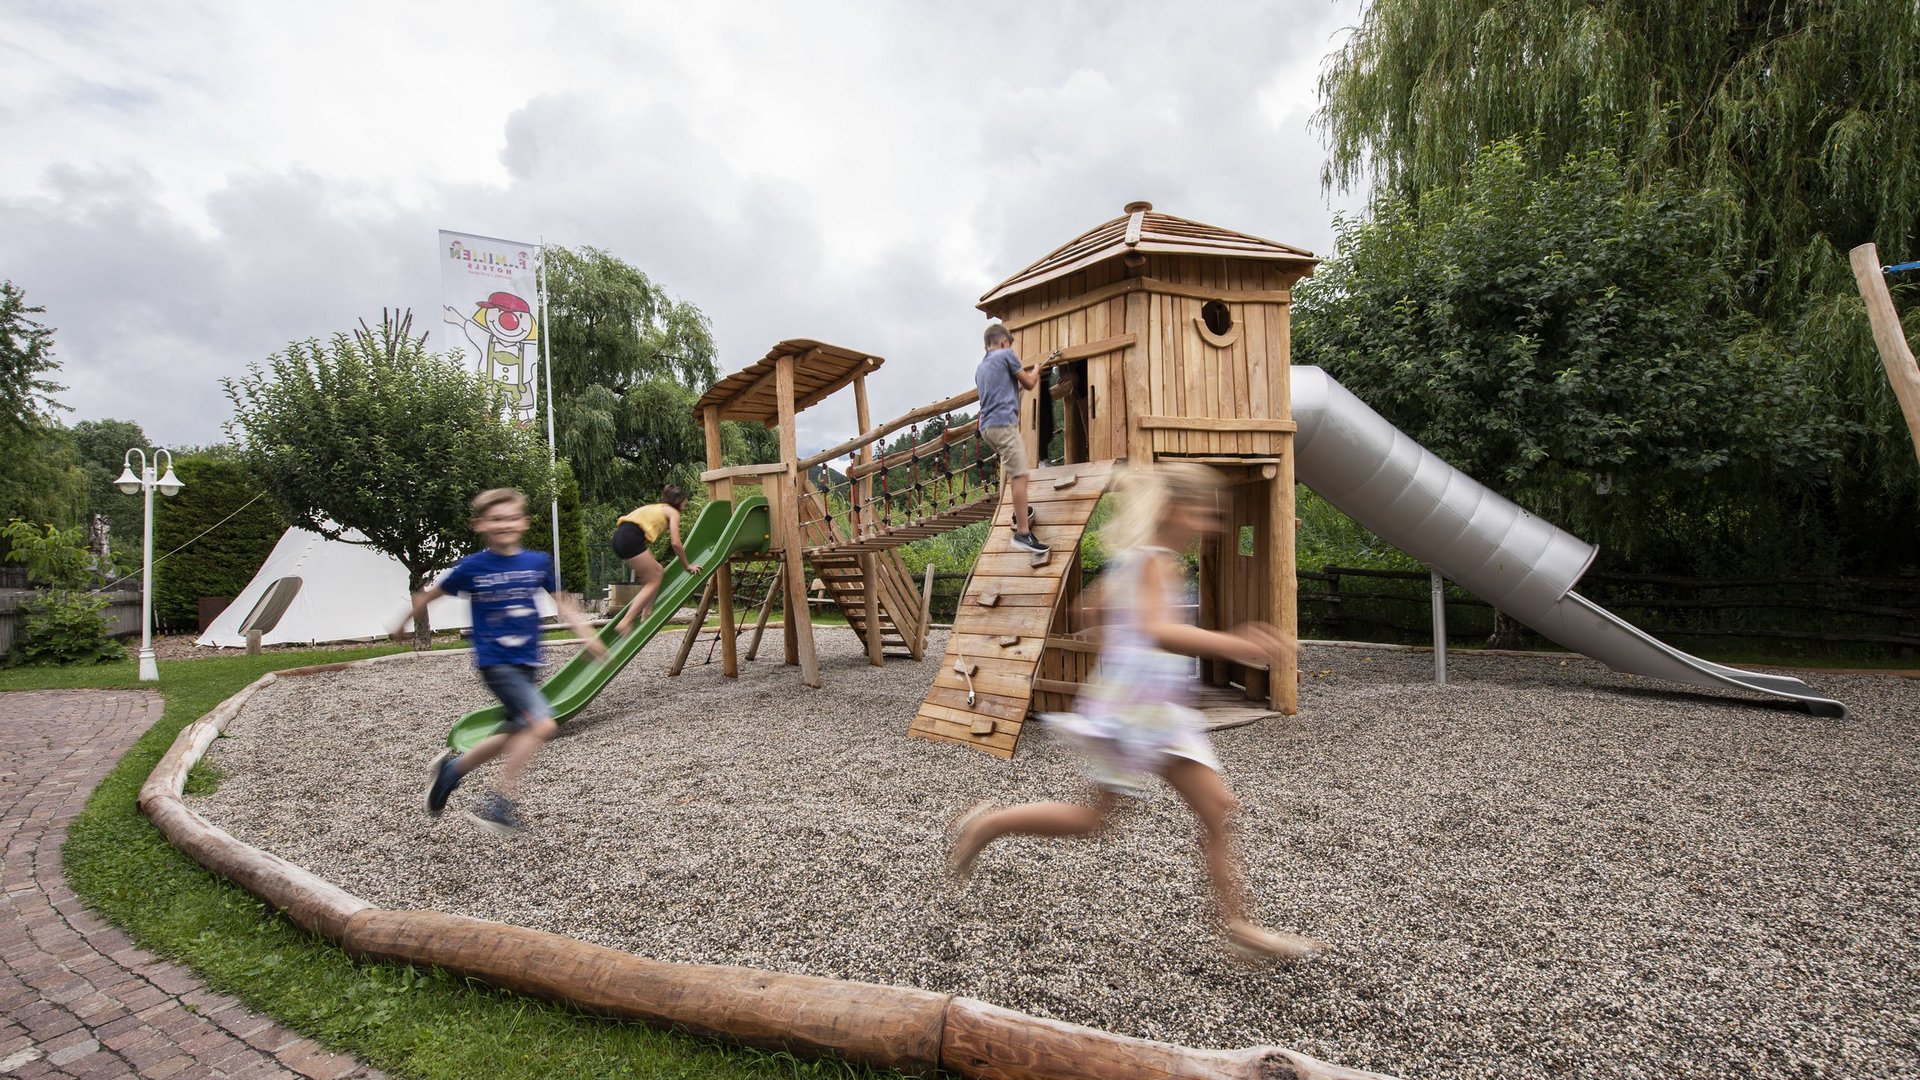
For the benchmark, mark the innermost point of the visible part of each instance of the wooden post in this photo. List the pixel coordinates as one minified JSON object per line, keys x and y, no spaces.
{"x":862,"y":491}
{"x":926,"y":606}
{"x":798,"y":619}
{"x":722,"y":489}
{"x":1888,"y":336}
{"x":1134,"y":374}
{"x":1283,"y":683}
{"x":699,"y":623}
{"x":863,"y":488}
{"x":766,"y":608}
{"x":870,"y":583}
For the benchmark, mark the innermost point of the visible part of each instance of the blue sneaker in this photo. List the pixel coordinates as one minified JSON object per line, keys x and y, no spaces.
{"x":500,"y":814}
{"x":446,"y":777}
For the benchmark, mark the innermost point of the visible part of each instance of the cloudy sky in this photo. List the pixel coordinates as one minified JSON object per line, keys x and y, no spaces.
{"x":187,"y":187}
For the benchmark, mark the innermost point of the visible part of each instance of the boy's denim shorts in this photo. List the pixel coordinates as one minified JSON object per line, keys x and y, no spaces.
{"x":518,"y":688}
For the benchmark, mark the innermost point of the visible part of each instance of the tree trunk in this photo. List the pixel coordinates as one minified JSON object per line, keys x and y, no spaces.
{"x":1506,"y":631}
{"x":423,"y":626}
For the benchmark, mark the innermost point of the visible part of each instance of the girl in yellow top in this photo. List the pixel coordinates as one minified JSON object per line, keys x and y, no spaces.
{"x":636,"y":533}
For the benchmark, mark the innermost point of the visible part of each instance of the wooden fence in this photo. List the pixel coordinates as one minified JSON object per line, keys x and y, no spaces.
{"x":122,"y":614}
{"x":1799,"y":613}
{"x":1790,"y":612}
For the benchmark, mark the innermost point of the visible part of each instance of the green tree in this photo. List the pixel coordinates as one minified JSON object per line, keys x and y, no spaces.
{"x":40,"y":478}
{"x":1565,"y":336}
{"x":26,"y":357}
{"x":370,"y":432}
{"x":572,"y":560}
{"x":62,"y":623}
{"x":1802,"y":111}
{"x":222,"y":527}
{"x":102,"y":446}
{"x":629,"y":362}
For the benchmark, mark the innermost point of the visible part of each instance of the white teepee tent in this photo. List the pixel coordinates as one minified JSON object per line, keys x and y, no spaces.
{"x":312,"y":589}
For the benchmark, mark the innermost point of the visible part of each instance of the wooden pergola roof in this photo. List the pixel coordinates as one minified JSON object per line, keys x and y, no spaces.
{"x":1141,"y":230}
{"x":819,"y":371}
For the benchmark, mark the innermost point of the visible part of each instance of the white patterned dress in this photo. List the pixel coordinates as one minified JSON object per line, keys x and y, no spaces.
{"x":1134,"y":717}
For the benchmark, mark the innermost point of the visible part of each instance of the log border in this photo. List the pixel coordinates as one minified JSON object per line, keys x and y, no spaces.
{"x":888,"y":1026}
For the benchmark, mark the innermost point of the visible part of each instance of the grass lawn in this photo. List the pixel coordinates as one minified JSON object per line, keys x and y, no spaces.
{"x":404,"y":1021}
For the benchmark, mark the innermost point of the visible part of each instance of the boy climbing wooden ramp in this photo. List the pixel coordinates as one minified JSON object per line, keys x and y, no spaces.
{"x":984,"y":686}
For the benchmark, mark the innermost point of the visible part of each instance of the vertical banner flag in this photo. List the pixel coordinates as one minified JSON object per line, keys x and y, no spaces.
{"x":490,"y":297}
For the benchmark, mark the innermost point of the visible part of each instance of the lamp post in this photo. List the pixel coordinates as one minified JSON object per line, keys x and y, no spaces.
{"x":169,"y":484}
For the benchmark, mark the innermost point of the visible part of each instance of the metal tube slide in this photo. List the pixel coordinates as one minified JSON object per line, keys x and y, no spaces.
{"x":1372,"y":472}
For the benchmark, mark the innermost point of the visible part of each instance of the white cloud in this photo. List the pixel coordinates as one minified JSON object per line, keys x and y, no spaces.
{"x":189,"y":187}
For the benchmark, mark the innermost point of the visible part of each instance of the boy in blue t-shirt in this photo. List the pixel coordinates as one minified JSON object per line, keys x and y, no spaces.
{"x":502,"y":582}
{"x":999,"y":379}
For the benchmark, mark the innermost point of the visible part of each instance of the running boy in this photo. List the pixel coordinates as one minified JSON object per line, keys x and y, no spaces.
{"x":502,"y":582}
{"x":1000,"y":378}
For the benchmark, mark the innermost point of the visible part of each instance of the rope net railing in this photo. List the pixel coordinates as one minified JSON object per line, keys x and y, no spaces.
{"x":937,"y":468}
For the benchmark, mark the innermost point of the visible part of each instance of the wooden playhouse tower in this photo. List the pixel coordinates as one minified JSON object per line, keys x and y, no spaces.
{"x":1160,"y":339}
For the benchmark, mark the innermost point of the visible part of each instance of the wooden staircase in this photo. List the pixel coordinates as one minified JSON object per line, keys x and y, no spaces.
{"x":1006,"y":614}
{"x":838,"y":566}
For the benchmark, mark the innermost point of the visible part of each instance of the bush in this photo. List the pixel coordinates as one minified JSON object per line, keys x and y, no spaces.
{"x":62,"y":624}
{"x":226,"y":538}
{"x":63,"y":627}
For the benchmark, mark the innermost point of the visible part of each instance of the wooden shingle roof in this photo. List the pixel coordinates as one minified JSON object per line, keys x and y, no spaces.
{"x":819,"y":371}
{"x":1142,"y":230}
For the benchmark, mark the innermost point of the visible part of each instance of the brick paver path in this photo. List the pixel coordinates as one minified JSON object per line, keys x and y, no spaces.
{"x":77,"y":998}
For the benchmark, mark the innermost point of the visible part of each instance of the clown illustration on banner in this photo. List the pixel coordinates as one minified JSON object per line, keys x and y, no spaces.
{"x":490,"y":294}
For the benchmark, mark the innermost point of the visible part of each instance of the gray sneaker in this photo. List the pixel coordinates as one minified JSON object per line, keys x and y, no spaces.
{"x":500,"y":814}
{"x":1026,"y":541}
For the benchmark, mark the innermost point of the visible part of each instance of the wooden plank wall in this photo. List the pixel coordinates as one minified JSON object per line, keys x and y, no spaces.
{"x":1188,"y":376}
{"x":1107,"y":405}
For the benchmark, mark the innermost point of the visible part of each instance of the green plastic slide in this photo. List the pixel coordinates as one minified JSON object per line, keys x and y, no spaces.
{"x":721,"y":530}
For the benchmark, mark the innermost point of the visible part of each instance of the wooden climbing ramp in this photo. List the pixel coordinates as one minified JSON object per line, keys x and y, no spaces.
{"x":984,"y":686}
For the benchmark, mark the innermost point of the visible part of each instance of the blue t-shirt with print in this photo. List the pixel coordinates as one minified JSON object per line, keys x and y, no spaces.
{"x":999,"y":389}
{"x":503,"y":590}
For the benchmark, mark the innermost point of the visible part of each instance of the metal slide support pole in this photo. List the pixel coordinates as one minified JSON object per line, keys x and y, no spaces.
{"x":1439,"y":629}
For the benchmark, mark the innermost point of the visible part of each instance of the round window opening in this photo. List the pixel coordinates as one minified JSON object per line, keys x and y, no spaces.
{"x":1216,"y":316}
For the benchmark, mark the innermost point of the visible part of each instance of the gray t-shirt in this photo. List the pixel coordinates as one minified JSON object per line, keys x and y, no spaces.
{"x":999,"y":389}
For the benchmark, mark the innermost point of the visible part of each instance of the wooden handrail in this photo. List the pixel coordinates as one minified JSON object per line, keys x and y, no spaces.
{"x":1059,"y":356}
{"x":888,"y":428}
{"x":734,"y":472}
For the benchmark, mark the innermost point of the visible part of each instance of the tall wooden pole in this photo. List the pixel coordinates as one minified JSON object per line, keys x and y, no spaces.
{"x":1888,"y":336}
{"x":799,"y":619}
{"x":723,"y":574}
{"x":869,"y":564}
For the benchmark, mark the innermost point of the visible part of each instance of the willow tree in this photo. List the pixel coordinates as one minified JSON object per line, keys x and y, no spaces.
{"x":1802,"y":111}
{"x":629,"y":361}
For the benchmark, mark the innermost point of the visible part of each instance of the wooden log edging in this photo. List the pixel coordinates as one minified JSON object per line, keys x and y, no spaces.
{"x":888,"y":1026}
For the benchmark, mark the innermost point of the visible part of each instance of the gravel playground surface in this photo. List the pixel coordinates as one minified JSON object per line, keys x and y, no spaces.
{"x":1542,"y":869}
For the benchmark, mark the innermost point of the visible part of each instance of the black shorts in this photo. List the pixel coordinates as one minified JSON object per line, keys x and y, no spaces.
{"x":629,"y":540}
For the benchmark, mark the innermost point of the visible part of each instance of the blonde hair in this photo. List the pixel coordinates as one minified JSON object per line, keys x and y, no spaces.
{"x":998,"y":334}
{"x":493,"y":497}
{"x":1147,"y":492}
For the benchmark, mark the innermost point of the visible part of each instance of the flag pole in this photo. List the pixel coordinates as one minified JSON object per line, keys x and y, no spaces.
{"x":553,"y":469}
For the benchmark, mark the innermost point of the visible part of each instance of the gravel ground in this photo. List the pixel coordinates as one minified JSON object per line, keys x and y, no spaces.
{"x":1541,"y":870}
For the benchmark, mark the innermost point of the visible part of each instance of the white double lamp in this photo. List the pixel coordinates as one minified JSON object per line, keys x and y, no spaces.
{"x":168,"y":484}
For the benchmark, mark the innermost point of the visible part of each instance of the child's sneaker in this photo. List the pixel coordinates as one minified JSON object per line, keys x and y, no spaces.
{"x":500,"y":814}
{"x":1026,"y":541}
{"x":446,"y":777}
